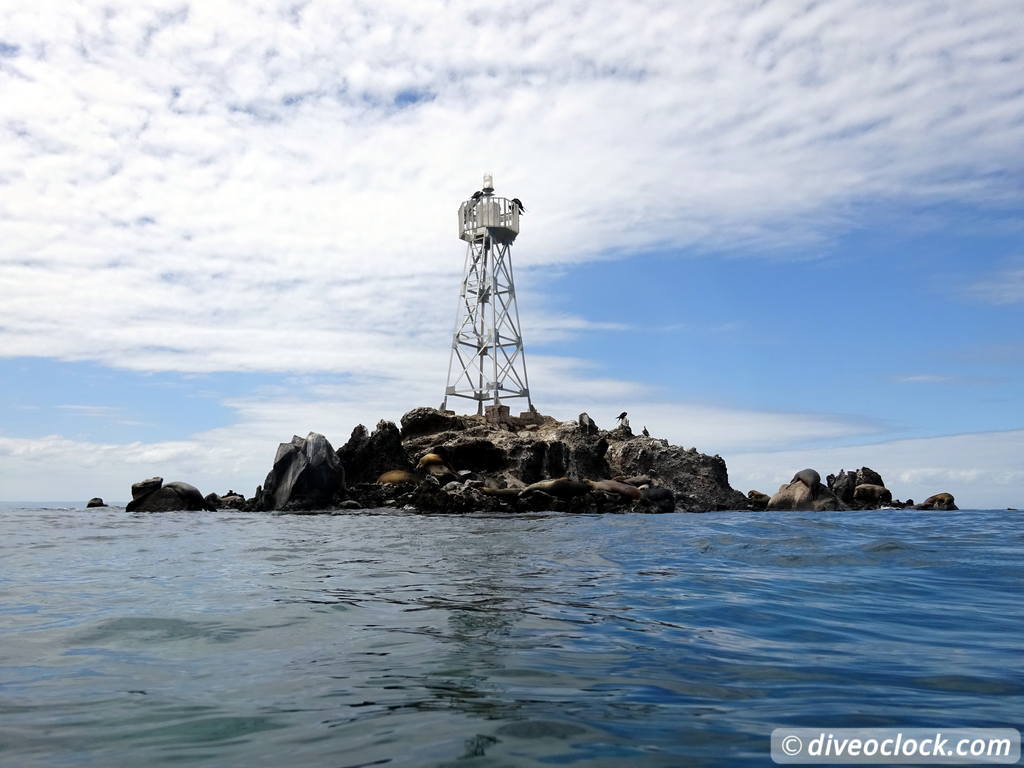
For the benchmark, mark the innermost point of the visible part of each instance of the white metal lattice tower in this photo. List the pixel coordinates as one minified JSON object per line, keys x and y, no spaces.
{"x":487,"y":362}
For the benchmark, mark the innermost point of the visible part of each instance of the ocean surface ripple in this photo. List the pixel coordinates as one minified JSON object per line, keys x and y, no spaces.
{"x":394,"y":639}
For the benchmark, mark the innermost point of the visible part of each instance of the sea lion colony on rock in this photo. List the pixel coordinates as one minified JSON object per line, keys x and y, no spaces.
{"x":441,"y":462}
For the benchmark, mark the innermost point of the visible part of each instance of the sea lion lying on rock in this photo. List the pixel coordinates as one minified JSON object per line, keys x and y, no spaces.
{"x":396,"y":476}
{"x":562,"y":488}
{"x":758,"y":500}
{"x":636,"y":480}
{"x":806,"y":493}
{"x":625,"y":490}
{"x":872,"y":494}
{"x":809,"y":477}
{"x":501,"y":493}
{"x":939,"y":501}
{"x":430,"y":460}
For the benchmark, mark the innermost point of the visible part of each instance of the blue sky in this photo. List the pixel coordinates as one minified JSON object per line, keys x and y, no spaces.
{"x":787,"y":233}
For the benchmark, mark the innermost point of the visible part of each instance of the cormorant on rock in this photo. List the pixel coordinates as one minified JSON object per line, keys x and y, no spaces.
{"x":621,"y":416}
{"x":646,"y":433}
{"x":518,"y":204}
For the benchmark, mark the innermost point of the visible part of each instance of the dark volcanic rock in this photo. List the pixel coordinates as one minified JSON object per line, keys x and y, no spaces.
{"x":868,"y":476}
{"x":95,"y":501}
{"x":660,"y":499}
{"x":146,"y":487}
{"x":306,"y":475}
{"x":430,"y":421}
{"x":588,"y":425}
{"x":170,"y":497}
{"x":700,"y":482}
{"x":366,"y":457}
{"x":843,"y":485}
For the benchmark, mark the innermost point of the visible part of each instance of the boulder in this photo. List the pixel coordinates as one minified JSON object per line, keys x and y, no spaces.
{"x":939,"y":501}
{"x":805,"y":493}
{"x":867,"y":476}
{"x":872,"y":495}
{"x":95,"y":501}
{"x":146,"y":487}
{"x":364,"y":457}
{"x":169,"y":497}
{"x":307,"y":474}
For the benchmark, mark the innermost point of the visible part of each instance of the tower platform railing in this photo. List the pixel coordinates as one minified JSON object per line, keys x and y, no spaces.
{"x":494,"y":216}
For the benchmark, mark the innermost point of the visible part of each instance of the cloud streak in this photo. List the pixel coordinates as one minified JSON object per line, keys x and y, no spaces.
{"x":271,"y":187}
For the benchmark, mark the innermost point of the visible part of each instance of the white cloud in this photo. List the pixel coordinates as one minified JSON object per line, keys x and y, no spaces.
{"x":924,"y":378}
{"x":272,"y":187}
{"x":225,"y":186}
{"x":981,"y":470}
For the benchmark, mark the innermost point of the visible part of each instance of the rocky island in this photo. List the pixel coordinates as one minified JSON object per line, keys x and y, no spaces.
{"x":440,"y":462}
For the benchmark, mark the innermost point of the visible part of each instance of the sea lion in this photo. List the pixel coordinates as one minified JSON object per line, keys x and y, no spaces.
{"x":562,"y":487}
{"x":430,"y":460}
{"x":939,"y":501}
{"x":395,"y":476}
{"x":636,"y":480}
{"x":625,"y":490}
{"x":758,"y":500}
{"x":872,"y":494}
{"x":808,"y":477}
{"x":506,"y":493}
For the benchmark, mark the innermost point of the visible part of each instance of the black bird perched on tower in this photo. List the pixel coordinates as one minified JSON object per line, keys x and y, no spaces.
{"x":621,"y":416}
{"x":476,"y":195}
{"x":518,"y":204}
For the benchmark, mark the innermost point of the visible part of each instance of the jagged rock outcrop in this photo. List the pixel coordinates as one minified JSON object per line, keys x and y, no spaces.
{"x":700,"y":482}
{"x":306,"y":475}
{"x":366,"y":456}
{"x":153,"y":495}
{"x":843,"y":486}
{"x":439,"y":462}
{"x":495,"y":462}
{"x":868,"y":476}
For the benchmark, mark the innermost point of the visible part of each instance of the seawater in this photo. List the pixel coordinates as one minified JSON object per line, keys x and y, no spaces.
{"x":387,"y":638}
